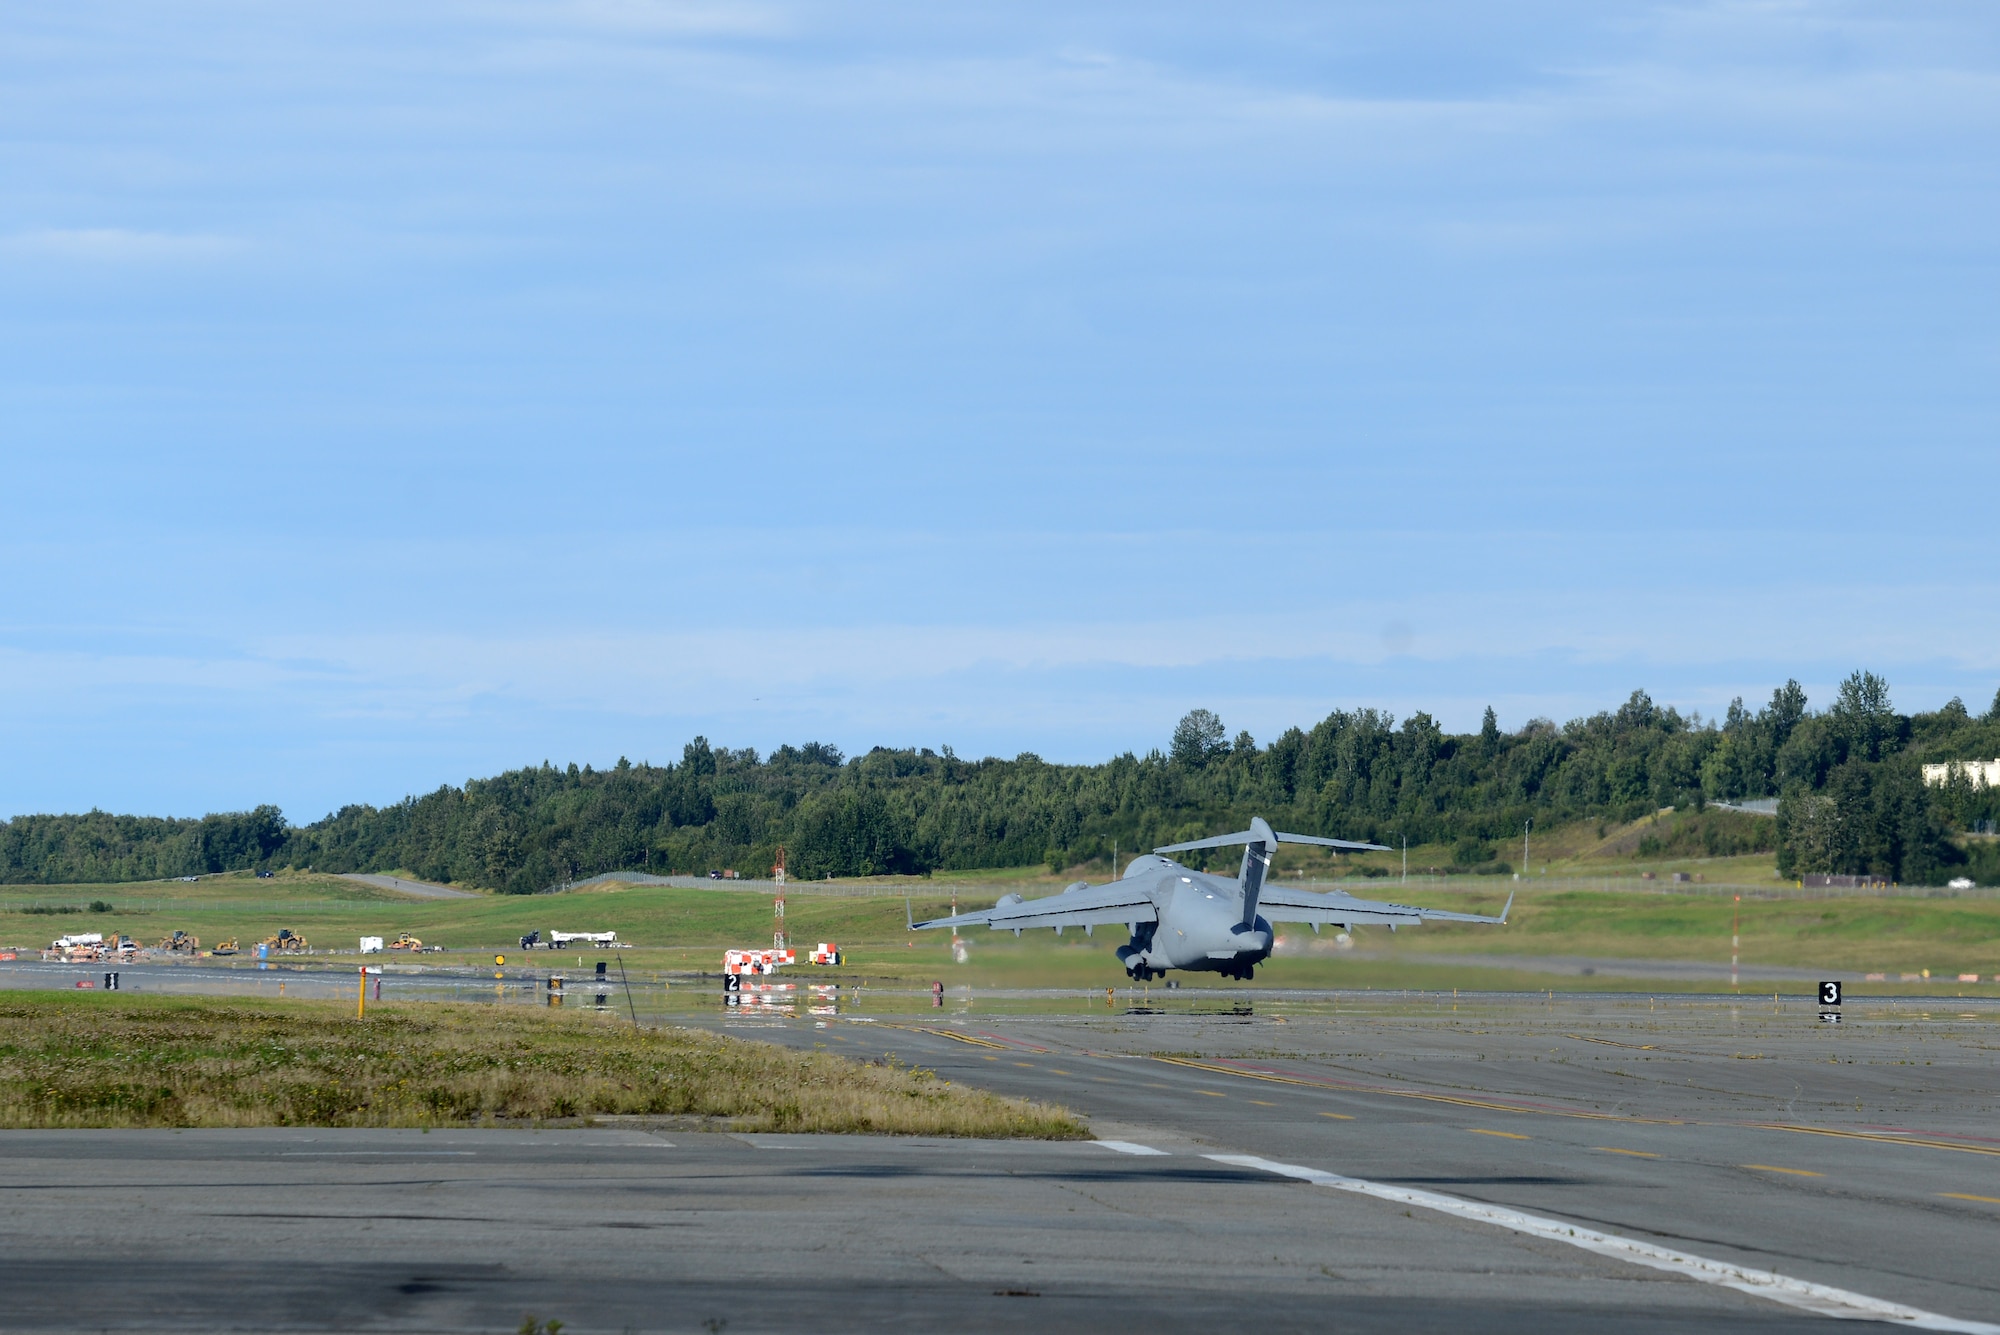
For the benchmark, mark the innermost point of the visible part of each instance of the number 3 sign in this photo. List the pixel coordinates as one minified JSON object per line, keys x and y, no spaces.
{"x":1829,"y":994}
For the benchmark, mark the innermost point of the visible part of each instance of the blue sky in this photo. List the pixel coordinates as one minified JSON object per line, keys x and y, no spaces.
{"x":391,"y":394}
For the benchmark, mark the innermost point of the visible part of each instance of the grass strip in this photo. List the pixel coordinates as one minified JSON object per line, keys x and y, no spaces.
{"x":105,"y":1061}
{"x":680,"y":929}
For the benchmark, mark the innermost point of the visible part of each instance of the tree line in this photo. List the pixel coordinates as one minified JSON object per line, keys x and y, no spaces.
{"x":1851,"y":800}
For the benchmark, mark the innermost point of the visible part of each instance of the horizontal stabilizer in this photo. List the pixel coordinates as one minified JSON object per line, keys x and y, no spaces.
{"x":1251,"y":836}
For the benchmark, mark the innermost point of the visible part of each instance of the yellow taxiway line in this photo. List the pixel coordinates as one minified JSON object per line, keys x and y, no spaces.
{"x":1411,"y":1094}
{"x":1920,"y":1141}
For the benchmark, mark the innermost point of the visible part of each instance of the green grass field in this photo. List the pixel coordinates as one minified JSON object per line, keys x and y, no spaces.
{"x":80,"y":1060}
{"x":684,"y":930}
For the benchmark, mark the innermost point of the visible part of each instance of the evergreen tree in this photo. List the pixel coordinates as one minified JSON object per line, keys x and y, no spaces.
{"x":1853,"y":800}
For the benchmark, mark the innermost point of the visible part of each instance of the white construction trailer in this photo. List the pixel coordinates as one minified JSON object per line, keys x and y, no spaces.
{"x":562,"y":940}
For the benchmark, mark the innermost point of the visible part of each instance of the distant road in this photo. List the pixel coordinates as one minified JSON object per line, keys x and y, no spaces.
{"x":420,"y":889}
{"x":848,"y":889}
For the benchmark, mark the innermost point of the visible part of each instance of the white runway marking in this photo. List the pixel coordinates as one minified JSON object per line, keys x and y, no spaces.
{"x":1821,"y":1299}
{"x":372,"y":1154}
{"x":1127,"y":1147}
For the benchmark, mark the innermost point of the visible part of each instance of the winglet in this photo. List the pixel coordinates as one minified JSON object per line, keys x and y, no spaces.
{"x":1507,"y":909}
{"x":911,"y":919}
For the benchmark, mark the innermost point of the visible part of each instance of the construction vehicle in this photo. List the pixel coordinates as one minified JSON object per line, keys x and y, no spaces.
{"x":286,"y":942}
{"x":224,"y":947}
{"x":76,"y":948}
{"x":90,"y":947}
{"x":406,"y":942}
{"x":181,"y":943}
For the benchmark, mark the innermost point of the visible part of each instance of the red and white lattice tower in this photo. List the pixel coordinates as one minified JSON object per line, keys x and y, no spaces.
{"x":778,"y":903}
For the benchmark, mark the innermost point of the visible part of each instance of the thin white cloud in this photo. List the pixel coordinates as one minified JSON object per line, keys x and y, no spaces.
{"x":117,"y":245}
{"x":1686,"y":636}
{"x":651,"y":18}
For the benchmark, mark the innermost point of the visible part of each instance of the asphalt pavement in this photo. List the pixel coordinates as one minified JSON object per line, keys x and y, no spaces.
{"x":1371,"y":1164}
{"x":1864,"y":1155}
{"x":403,"y":885}
{"x":622,"y":1230}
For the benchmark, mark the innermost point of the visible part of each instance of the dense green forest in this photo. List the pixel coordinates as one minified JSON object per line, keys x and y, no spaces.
{"x":1851,"y":800}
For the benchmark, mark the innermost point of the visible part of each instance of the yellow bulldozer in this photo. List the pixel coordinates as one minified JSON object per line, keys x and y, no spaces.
{"x":224,"y":947}
{"x":406,"y":942}
{"x":181,"y":943}
{"x":286,"y":942}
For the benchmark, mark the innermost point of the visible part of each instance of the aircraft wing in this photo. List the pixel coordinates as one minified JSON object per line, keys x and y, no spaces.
{"x":1118,"y":902}
{"x":1284,"y":904}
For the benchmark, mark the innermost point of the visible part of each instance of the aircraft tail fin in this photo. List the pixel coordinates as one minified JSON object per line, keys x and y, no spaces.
{"x":1260,"y":842}
{"x":1257,"y":853}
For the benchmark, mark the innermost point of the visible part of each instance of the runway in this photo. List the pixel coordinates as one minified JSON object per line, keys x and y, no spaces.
{"x":1725,"y":1132}
{"x":1865,"y":1156}
{"x":619,"y":1230}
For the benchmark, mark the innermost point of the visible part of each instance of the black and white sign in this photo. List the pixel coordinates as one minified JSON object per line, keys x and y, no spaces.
{"x":1829,"y":993}
{"x":732,"y":983}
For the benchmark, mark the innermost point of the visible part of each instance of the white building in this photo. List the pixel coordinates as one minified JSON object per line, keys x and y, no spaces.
{"x":1978,"y":771}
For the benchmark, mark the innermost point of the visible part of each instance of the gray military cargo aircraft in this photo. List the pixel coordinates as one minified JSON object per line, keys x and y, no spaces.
{"x":1197,"y":921}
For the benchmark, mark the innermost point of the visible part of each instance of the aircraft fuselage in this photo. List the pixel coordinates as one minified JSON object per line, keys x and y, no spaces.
{"x":1200,"y":926}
